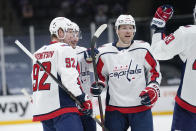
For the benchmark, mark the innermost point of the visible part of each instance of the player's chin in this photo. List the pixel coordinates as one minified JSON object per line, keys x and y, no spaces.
{"x":127,"y":40}
{"x":73,"y":44}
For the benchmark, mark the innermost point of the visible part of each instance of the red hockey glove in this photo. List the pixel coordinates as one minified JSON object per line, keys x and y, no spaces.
{"x":87,"y":55}
{"x":149,"y":95}
{"x":96,"y":89}
{"x":162,"y":15}
{"x":87,"y":104}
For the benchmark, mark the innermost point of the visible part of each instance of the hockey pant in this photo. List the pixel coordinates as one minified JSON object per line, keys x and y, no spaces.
{"x":183,"y":120}
{"x":141,"y":121}
{"x":88,"y":123}
{"x":64,"y":122}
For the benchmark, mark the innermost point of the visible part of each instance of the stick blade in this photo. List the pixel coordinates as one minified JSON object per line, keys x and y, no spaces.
{"x":100,"y":30}
{"x":24,"y":91}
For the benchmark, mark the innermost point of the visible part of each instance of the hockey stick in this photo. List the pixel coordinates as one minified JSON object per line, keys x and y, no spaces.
{"x":25,"y":93}
{"x":93,"y":44}
{"x":56,"y":80}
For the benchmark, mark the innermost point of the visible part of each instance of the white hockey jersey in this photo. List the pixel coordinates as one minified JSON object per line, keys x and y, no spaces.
{"x":126,"y":72}
{"x":86,"y":70}
{"x":86,"y":76}
{"x":49,"y":100}
{"x":183,"y":43}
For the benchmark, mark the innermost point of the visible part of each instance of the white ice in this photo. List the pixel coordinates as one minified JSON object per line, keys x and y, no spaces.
{"x":161,"y":123}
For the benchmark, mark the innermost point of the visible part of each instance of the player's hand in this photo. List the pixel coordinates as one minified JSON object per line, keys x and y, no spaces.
{"x":87,"y":104}
{"x":96,"y":88}
{"x":162,"y":15}
{"x":149,"y":95}
{"x":87,"y":55}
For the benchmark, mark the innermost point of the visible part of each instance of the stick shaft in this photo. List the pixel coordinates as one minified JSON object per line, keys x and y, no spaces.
{"x":93,"y":44}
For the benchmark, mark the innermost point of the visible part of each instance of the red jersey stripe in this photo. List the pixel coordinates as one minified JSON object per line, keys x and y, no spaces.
{"x":55,"y":113}
{"x":99,"y":69}
{"x":153,"y":64}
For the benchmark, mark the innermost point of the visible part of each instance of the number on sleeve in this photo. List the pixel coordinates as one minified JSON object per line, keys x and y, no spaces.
{"x":70,"y":62}
{"x":73,"y":62}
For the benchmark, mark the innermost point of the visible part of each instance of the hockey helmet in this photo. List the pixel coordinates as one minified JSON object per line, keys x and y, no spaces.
{"x":57,"y":23}
{"x":125,"y":20}
{"x":76,"y":28}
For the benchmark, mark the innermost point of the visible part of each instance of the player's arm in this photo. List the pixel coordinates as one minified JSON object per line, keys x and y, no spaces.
{"x":153,"y":78}
{"x":96,"y":88}
{"x":165,"y":47}
{"x":67,"y":69}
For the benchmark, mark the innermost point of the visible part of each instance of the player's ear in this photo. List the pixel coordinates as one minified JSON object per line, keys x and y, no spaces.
{"x":60,"y":33}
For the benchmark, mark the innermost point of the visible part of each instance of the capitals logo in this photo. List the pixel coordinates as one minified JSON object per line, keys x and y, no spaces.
{"x":126,"y":70}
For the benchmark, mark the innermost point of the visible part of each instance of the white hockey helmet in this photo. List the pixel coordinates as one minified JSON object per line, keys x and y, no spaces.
{"x":57,"y":23}
{"x":125,"y":20}
{"x":76,"y":28}
{"x":194,"y":13}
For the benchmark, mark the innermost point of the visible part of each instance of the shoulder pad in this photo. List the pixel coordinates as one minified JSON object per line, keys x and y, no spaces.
{"x":80,"y":49}
{"x":142,"y":44}
{"x":188,"y":29}
{"x":105,"y":47}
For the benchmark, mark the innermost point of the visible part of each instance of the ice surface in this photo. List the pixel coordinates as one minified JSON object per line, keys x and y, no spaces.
{"x":161,"y":123}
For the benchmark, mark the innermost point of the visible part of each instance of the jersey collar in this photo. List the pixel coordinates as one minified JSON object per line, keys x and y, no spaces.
{"x":53,"y":42}
{"x":121,"y":48}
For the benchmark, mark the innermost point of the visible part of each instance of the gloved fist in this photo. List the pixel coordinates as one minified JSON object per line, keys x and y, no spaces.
{"x":87,"y":104}
{"x":150,"y":95}
{"x":96,"y":88}
{"x":162,"y":15}
{"x":87,"y":55}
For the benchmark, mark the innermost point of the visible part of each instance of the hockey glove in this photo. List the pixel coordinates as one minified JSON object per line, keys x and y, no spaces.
{"x":150,"y":95}
{"x":87,"y":55}
{"x":87,"y":104}
{"x":96,"y":88}
{"x":162,"y":15}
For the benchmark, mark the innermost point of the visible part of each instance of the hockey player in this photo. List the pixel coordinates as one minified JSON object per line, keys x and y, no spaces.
{"x":52,"y":106}
{"x":85,"y":67}
{"x":183,"y":43}
{"x":86,"y":75}
{"x":132,"y":77}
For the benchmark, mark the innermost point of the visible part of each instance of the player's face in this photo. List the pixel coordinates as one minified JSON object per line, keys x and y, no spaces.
{"x":125,"y":33}
{"x":68,"y":36}
{"x":75,"y":39}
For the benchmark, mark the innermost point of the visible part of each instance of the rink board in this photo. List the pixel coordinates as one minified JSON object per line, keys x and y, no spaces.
{"x":17,"y":109}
